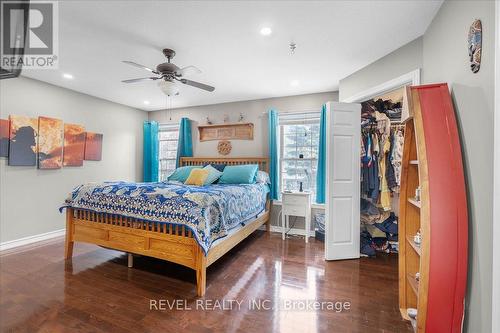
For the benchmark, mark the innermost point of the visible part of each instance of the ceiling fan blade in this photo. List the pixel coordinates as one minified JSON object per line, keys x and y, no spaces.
{"x":139,"y":66}
{"x":197,"y":85}
{"x":140,"y":79}
{"x":189,"y":70}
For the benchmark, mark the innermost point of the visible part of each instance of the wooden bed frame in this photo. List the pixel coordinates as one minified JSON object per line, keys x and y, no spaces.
{"x":153,"y":239}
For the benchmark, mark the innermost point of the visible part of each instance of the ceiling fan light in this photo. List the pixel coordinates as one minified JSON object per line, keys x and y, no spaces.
{"x":169,"y":88}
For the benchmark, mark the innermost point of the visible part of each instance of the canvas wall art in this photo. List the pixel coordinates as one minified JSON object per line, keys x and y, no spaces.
{"x":93,"y":146}
{"x":50,"y":143}
{"x":4,"y":138}
{"x":74,"y":145}
{"x":23,"y":139}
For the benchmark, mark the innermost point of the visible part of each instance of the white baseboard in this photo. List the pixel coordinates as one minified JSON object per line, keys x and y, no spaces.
{"x":31,"y":239}
{"x":293,"y":231}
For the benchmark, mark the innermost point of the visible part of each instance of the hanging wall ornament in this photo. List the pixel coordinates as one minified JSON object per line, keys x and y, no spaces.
{"x":475,"y":41}
{"x":224,"y":147}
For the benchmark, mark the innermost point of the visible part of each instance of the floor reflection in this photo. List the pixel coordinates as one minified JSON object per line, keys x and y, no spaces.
{"x":295,"y":288}
{"x":96,"y":292}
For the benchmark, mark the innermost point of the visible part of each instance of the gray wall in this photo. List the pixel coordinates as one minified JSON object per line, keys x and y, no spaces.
{"x":446,"y":60}
{"x":442,"y":55}
{"x":30,"y":198}
{"x":254,"y":112}
{"x":401,"y":61}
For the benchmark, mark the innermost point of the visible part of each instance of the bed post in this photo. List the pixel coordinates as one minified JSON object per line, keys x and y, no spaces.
{"x":201,"y":271}
{"x":268,"y":209}
{"x":68,"y":246}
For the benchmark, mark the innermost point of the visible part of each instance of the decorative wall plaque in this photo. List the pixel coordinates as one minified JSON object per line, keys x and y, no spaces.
{"x":224,"y":147}
{"x":475,"y":38}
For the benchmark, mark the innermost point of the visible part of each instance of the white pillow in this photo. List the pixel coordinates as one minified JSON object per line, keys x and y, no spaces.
{"x":262,"y":177}
{"x":213,"y":175}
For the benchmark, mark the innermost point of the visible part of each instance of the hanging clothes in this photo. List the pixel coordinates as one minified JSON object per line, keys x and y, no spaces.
{"x":397,"y":155}
{"x":380,"y":160}
{"x":383,"y":125}
{"x":385,"y":192}
{"x":390,"y":174}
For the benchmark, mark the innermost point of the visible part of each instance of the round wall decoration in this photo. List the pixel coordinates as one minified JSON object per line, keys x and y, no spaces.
{"x":475,"y":38}
{"x":224,"y":147}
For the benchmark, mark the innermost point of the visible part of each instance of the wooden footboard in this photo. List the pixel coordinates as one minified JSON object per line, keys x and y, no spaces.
{"x":171,"y":243}
{"x":153,"y":239}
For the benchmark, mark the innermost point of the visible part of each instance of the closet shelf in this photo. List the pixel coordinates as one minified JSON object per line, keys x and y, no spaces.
{"x":413,"y":244}
{"x":414,"y":202}
{"x":413,"y":283}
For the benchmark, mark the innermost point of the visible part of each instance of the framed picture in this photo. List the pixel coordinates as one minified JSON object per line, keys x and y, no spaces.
{"x":50,"y":143}
{"x":23,"y":140}
{"x":4,"y":138}
{"x":93,"y":146}
{"x":74,"y":145}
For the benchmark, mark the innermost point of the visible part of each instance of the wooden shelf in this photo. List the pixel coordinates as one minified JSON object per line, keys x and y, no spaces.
{"x":414,"y":202}
{"x":413,"y":244}
{"x":413,"y":283}
{"x":228,"y":131}
{"x":445,"y":259}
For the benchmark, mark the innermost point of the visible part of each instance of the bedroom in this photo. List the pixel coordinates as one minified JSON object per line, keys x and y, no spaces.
{"x":291,"y":58}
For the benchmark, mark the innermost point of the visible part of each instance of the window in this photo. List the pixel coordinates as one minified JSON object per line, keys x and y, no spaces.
{"x":168,"y":136}
{"x":299,"y":143}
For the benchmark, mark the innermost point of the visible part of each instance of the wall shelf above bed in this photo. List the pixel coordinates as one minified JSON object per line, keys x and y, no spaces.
{"x":233,"y":131}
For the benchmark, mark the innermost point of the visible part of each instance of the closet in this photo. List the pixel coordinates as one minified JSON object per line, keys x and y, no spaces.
{"x":382,"y":137}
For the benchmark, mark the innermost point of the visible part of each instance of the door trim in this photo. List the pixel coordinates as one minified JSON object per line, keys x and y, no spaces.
{"x":495,"y":308}
{"x":412,"y":78}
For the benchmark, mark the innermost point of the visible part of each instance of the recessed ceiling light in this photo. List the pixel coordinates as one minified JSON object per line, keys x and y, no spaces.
{"x":67,"y":76}
{"x":294,"y":83}
{"x":146,"y":102}
{"x":266,"y":31}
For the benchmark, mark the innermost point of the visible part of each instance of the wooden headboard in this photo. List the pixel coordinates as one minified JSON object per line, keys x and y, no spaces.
{"x":263,"y":162}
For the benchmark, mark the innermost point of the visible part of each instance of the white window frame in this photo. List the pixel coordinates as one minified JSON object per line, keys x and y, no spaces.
{"x":166,"y":128}
{"x":281,"y":148}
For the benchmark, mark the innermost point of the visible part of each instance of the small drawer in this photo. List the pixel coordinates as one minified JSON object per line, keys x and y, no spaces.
{"x":296,"y":210}
{"x":295,"y":200}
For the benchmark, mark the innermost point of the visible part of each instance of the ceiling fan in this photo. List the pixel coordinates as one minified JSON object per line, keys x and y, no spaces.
{"x":169,"y":73}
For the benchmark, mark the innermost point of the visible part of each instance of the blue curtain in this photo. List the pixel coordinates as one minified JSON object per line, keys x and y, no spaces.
{"x":273,"y":153}
{"x":321,"y":173}
{"x":185,"y":144}
{"x":150,"y":152}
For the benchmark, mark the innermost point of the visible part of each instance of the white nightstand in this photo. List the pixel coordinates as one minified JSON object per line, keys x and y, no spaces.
{"x":295,"y":204}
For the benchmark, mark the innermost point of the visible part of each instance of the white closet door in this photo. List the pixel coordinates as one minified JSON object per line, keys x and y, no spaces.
{"x":343,"y":134}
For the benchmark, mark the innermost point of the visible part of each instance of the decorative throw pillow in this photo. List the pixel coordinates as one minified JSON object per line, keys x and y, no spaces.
{"x":219,"y":167}
{"x":239,"y":174}
{"x":213,"y":175}
{"x":182,"y":173}
{"x":262,"y":177}
{"x":197,"y":177}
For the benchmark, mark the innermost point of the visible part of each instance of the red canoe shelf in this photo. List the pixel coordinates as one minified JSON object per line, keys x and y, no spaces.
{"x":432,"y":160}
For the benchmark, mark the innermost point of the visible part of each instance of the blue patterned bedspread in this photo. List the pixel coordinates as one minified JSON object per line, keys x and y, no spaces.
{"x":209,"y":211}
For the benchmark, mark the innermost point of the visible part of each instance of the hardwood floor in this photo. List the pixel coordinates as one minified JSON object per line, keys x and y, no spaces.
{"x":96,"y":292}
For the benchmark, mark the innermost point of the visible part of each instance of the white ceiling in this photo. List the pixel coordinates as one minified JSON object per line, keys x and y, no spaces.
{"x":334,"y":39}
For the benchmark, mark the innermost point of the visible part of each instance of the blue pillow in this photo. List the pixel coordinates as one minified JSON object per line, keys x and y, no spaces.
{"x":239,"y":174}
{"x":182,"y":173}
{"x":219,"y":167}
{"x":213,"y":175}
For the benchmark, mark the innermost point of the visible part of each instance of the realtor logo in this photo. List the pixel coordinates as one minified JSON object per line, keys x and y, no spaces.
{"x":29,"y":34}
